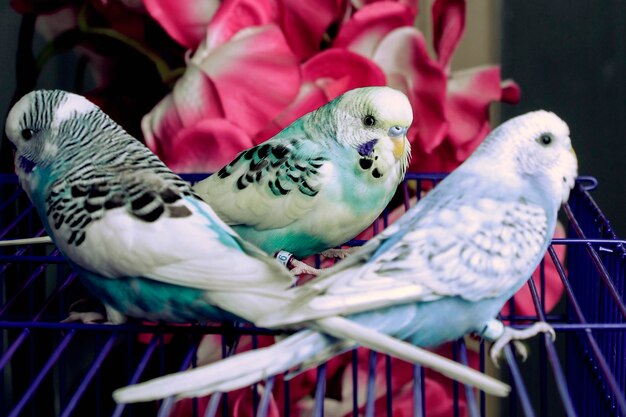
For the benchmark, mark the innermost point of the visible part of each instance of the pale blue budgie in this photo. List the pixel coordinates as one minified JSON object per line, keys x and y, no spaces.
{"x":139,"y":237}
{"x":442,"y":270}
{"x":320,"y":181}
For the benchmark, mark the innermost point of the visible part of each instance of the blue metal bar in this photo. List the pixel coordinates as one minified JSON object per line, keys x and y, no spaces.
{"x":135,"y":328}
{"x":11,"y":199}
{"x":604,"y":367}
{"x":520,"y":388}
{"x":418,"y":391}
{"x":214,"y":401}
{"x":265,"y":398}
{"x":35,"y":259}
{"x":606,"y":279}
{"x":141,"y":366}
{"x":168,"y":403}
{"x":472,"y":409}
{"x":27,"y":283}
{"x":320,"y":391}
{"x":26,"y":332}
{"x":561,"y":382}
{"x":40,"y":376}
{"x":15,"y":221}
{"x":93,"y":369}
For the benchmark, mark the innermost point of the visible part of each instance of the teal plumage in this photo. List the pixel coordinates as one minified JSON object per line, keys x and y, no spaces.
{"x":320,"y":181}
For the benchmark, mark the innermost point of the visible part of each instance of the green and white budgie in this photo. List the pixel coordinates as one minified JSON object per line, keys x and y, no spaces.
{"x":443,"y":270}
{"x":320,"y":181}
{"x":140,"y":239}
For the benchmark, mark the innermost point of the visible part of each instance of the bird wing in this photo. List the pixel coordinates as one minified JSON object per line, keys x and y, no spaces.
{"x":467,"y":246}
{"x":136,"y":218}
{"x":270,"y":185}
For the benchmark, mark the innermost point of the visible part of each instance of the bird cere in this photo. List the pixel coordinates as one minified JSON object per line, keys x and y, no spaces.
{"x":444,"y":269}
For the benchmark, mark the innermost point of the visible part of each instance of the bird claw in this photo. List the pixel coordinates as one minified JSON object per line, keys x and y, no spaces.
{"x":300,"y":267}
{"x":85,"y":317}
{"x":515,"y":336}
{"x":338,"y":253}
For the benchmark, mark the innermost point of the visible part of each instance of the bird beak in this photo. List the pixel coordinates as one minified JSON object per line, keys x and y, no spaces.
{"x":397,"y":135}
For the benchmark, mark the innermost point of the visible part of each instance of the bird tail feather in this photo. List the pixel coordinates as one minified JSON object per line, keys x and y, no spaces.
{"x":342,"y":328}
{"x":231,"y":373}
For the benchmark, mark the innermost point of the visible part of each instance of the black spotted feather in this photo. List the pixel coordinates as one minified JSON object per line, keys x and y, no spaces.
{"x":131,"y":177}
{"x":278,"y":166}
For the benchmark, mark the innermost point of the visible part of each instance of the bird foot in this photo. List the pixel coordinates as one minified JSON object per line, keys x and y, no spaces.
{"x":85,"y":317}
{"x":515,"y":336}
{"x":90,"y":311}
{"x":338,"y":253}
{"x":300,"y":267}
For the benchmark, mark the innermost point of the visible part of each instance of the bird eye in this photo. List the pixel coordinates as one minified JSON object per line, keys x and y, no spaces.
{"x":28,"y":133}
{"x":369,"y":120}
{"x":545,"y":139}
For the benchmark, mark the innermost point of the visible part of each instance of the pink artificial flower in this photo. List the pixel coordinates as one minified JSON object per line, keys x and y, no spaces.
{"x":305,"y":23}
{"x":184,"y":20}
{"x":232,"y":88}
{"x":413,"y":4}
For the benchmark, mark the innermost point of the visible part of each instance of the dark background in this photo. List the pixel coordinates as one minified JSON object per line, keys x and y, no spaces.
{"x":569,"y":57}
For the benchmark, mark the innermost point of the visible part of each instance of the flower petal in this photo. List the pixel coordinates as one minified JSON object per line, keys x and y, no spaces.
{"x":403,"y":56}
{"x":255,"y":75}
{"x":193,"y":98}
{"x":413,"y":4}
{"x":511,"y":92}
{"x":184,"y":20}
{"x":448,"y":28}
{"x":364,"y":31}
{"x":470,"y":94}
{"x":337,"y":71}
{"x":206,"y":146}
{"x":235,"y":15}
{"x":306,"y":22}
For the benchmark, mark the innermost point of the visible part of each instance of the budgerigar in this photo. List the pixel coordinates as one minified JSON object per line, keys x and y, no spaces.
{"x":320,"y":181}
{"x":139,"y":237}
{"x":442,"y":270}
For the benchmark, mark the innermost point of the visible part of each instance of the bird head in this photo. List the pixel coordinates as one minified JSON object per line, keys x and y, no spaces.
{"x":34,"y":125}
{"x":537,"y":145}
{"x":375,"y":117}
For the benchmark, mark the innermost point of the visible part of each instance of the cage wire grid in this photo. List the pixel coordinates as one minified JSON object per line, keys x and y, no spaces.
{"x":52,"y":368}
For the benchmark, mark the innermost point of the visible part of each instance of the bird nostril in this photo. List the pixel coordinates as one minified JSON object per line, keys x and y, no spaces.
{"x":395,"y":131}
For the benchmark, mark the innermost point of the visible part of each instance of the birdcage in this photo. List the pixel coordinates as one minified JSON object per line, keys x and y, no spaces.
{"x":55,"y":368}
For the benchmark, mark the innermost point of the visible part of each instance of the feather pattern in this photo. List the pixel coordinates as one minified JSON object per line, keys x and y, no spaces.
{"x":321,"y":180}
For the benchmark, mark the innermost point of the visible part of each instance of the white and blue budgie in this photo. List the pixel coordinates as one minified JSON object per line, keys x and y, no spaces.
{"x":320,"y":181}
{"x":139,"y":237}
{"x":442,"y":270}
{"x":142,"y":241}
